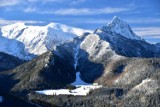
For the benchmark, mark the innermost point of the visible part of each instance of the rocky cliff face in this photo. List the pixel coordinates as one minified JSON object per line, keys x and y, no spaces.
{"x":120,"y":27}
{"x":113,"y":42}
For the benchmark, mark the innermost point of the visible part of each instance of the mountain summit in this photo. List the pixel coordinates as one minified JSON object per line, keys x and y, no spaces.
{"x":118,"y":26}
{"x":27,"y":42}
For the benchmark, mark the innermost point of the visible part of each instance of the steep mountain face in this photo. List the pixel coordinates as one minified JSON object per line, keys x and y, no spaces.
{"x":45,"y":71}
{"x":94,"y":53}
{"x":128,"y":47}
{"x":8,"y":62}
{"x":111,"y":43}
{"x":26,"y":42}
{"x":120,"y":27}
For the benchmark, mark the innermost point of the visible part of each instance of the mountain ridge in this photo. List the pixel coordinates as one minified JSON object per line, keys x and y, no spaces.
{"x":123,"y":65}
{"x":35,"y":40}
{"x":30,"y":41}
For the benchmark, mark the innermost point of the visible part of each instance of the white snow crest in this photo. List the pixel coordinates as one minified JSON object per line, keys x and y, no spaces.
{"x":25,"y":41}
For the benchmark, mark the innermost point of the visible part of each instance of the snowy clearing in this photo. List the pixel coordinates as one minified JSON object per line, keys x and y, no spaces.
{"x":81,"y":90}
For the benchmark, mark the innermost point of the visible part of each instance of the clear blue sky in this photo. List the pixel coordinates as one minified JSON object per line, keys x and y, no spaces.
{"x":142,"y":15}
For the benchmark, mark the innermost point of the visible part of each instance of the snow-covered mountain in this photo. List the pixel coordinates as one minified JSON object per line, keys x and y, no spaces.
{"x":113,"y":56}
{"x":113,"y":42}
{"x":120,"y":27}
{"x":26,"y":42}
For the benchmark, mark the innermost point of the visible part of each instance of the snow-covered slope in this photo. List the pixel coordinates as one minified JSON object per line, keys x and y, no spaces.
{"x":27,"y":41}
{"x":78,"y":80}
{"x":97,"y":48}
{"x":120,"y":27}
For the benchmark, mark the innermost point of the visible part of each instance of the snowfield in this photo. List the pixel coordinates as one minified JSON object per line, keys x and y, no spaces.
{"x":81,"y":90}
{"x":79,"y":81}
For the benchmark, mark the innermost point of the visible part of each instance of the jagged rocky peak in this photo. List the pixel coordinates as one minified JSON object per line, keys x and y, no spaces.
{"x":118,"y":26}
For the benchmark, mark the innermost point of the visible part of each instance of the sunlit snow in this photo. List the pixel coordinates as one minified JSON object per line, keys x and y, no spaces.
{"x":121,"y":27}
{"x":79,"y":81}
{"x":25,"y":41}
{"x":81,"y":90}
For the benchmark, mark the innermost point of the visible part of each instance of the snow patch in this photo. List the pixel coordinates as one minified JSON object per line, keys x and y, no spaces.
{"x":79,"y":81}
{"x":76,"y":56}
{"x":81,"y":90}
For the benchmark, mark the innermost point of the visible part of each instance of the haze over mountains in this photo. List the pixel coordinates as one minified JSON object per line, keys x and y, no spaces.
{"x":113,"y":56}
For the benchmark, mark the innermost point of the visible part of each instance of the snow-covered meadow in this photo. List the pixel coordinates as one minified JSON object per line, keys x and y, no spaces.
{"x":82,"y":88}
